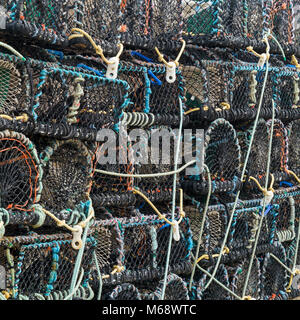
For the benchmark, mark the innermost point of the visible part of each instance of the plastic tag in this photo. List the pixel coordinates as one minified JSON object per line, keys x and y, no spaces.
{"x":176,"y":234}
{"x":268,"y":197}
{"x":171,"y":72}
{"x":112,"y":69}
{"x":76,"y":241}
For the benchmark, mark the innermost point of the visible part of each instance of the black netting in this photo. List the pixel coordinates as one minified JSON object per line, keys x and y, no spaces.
{"x":280,"y":20}
{"x":222,"y":151}
{"x":279,"y":157}
{"x":214,"y":291}
{"x":176,"y":289}
{"x":79,"y":99}
{"x":158,"y":157}
{"x":294,"y":149}
{"x":67,"y":174}
{"x":238,"y":274}
{"x":274,"y":275}
{"x":257,"y":162}
{"x":19,"y":171}
{"x":110,"y":190}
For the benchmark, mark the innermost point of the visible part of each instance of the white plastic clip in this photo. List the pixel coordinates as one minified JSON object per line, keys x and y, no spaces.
{"x":262,"y":60}
{"x":268,"y":197}
{"x":76,"y":241}
{"x":176,"y":234}
{"x":112,"y":68}
{"x":171,"y":72}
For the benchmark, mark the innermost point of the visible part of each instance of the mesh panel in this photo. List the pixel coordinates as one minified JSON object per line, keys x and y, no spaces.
{"x":214,"y":291}
{"x":294,"y":150}
{"x":238,"y":278}
{"x":159,"y":158}
{"x":56,"y":15}
{"x":279,"y":155}
{"x":274,"y":276}
{"x":19,"y":171}
{"x":39,"y":263}
{"x":255,"y":18}
{"x":146,"y":242}
{"x":244,"y":227}
{"x":77,"y":99}
{"x":110,"y":245}
{"x":222,"y":151}
{"x":110,"y":190}
{"x":280,"y":20}
{"x":257,"y":163}
{"x":67,"y":175}
{"x":176,"y":289}
{"x":200,"y":17}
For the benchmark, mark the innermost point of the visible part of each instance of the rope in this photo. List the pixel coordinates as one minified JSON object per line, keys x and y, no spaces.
{"x":98,"y":49}
{"x":246,"y":160}
{"x":161,"y":216}
{"x":173,"y":203}
{"x":150,"y":175}
{"x":202,"y":225}
{"x":78,"y":260}
{"x":18,"y":54}
{"x":264,"y":200}
{"x":176,"y":61}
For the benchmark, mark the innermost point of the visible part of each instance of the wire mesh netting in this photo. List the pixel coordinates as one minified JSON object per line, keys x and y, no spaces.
{"x":96,"y":202}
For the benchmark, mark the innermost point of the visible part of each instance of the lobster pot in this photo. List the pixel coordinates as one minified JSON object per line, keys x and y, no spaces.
{"x":146,"y":245}
{"x":20,"y":172}
{"x":214,"y":227}
{"x":238,"y":274}
{"x":225,"y":89}
{"x":287,"y":93}
{"x":78,"y":100}
{"x":14,"y":87}
{"x":158,"y":157}
{"x":274,"y":275}
{"x":286,"y":223}
{"x":244,"y":227}
{"x":41,"y":264}
{"x":113,"y":192}
{"x":222,"y":155}
{"x":279,"y":155}
{"x":214,"y":291}
{"x":67,"y":166}
{"x":176,"y":289}
{"x":294,"y":149}
{"x":279,"y":19}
